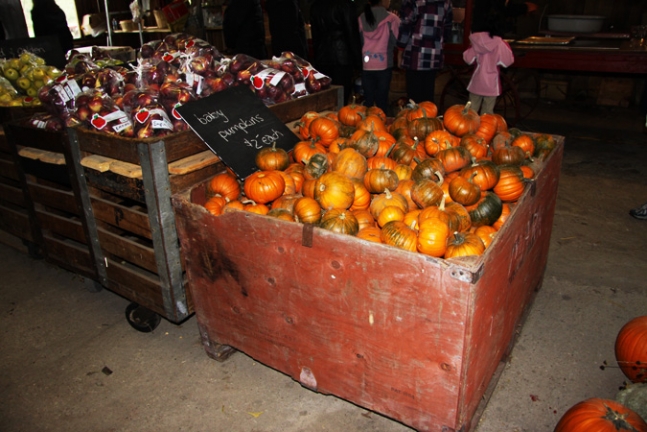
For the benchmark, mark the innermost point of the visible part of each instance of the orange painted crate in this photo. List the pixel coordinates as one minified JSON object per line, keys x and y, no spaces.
{"x":412,"y":337}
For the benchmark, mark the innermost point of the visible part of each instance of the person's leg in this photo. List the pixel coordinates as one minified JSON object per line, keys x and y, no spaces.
{"x":475,"y":102}
{"x":488,"y":104}
{"x":369,"y":84}
{"x":421,"y":85}
{"x":382,"y":89}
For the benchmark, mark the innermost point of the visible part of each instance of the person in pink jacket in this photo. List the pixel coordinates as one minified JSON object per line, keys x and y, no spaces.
{"x":379,"y":31}
{"x":490,"y":52}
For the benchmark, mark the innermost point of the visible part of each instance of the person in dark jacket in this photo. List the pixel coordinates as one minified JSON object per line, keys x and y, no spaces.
{"x":336,"y":42}
{"x":287,"y":27}
{"x":244,"y":29}
{"x":424,"y":27}
{"x":49,"y":19}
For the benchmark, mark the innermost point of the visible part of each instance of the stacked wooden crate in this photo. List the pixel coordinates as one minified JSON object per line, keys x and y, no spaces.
{"x":52,"y":197}
{"x":14,"y":216}
{"x":129,"y":183}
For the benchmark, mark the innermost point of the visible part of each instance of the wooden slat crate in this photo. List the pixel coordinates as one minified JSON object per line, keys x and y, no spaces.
{"x":129,"y":184}
{"x":412,"y":337}
{"x":52,"y":198}
{"x":14,"y":216}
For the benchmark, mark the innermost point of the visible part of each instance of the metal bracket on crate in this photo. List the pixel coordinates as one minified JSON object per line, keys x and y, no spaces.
{"x":157,"y":191}
{"x":100,"y":259}
{"x":306,"y":236}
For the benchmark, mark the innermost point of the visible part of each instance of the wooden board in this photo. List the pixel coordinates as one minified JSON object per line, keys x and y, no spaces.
{"x":193,"y":163}
{"x":412,"y":337}
{"x":42,"y":155}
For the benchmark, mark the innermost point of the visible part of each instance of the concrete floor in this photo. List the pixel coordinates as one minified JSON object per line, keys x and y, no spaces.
{"x":69,"y":361}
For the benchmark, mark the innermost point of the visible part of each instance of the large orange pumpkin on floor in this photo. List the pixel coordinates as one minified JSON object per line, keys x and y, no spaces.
{"x":631,"y":349}
{"x":600,"y":415}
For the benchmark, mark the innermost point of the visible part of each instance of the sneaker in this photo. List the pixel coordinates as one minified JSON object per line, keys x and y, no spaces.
{"x":639,"y":212}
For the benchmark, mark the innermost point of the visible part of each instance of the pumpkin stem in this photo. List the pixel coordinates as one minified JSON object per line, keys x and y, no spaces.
{"x":441,"y":179}
{"x":467,"y":107}
{"x":618,"y":420}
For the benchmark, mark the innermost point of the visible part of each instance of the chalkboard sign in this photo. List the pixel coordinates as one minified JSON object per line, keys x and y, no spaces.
{"x":47,"y":47}
{"x":235,"y":124}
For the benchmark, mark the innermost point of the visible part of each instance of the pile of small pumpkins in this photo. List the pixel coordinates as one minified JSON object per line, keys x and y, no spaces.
{"x":441,"y":186}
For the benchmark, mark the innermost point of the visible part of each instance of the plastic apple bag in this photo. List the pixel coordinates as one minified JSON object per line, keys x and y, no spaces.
{"x":46,"y":122}
{"x":316,"y":81}
{"x":199,"y":47}
{"x":97,"y":110}
{"x":149,"y":48}
{"x":59,"y":97}
{"x":8,"y":94}
{"x":240,"y":63}
{"x":273,"y":86}
{"x":80,"y":64}
{"x":108,"y":80}
{"x":172,"y":96}
{"x":148,"y":114}
{"x":153,"y":72}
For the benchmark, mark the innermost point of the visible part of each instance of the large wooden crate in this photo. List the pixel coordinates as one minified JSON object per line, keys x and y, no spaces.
{"x":412,"y":337}
{"x":14,"y":216}
{"x":52,"y":198}
{"x":129,"y":202}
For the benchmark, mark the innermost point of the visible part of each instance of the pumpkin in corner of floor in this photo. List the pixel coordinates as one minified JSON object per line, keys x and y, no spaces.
{"x":600,"y":415}
{"x":631,"y":349}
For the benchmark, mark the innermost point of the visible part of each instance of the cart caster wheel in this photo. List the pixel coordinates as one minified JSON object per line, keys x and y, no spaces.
{"x":93,"y":286}
{"x":142,"y":319}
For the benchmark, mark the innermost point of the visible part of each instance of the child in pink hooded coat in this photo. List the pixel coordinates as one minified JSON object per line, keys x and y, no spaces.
{"x":489,"y":51}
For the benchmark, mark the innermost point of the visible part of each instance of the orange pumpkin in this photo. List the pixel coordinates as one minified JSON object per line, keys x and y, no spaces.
{"x":371,"y":233}
{"x":438,"y":140}
{"x":505,"y":214}
{"x":388,"y":214}
{"x":304,"y":150}
{"x":475,"y":144}
{"x":484,"y":173}
{"x":324,"y":131}
{"x":462,"y":244}
{"x":526,"y":143}
{"x":253,"y":207}
{"x":307,"y":210}
{"x":303,"y":125}
{"x":365,"y":142}
{"x":334,"y":190}
{"x":381,"y":162}
{"x":511,"y":183}
{"x":362,"y":196}
{"x":225,"y":185}
{"x":426,"y":192}
{"x":272,"y":158}
{"x":364,"y":218}
{"x":386,"y":199}
{"x":464,"y":191}
{"x":486,"y":233}
{"x":351,"y":114}
{"x":600,"y":415}
{"x":264,"y":186}
{"x":454,"y":158}
{"x":487,"y":127}
{"x":379,"y":179}
{"x":215,"y":205}
{"x":350,"y":163}
{"x":631,"y":349}
{"x":461,"y":120}
{"x":433,"y":234}
{"x":398,"y":234}
{"x":340,"y":221}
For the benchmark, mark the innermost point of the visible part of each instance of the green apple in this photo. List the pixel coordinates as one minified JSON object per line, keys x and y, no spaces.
{"x":14,"y":63}
{"x":11,"y":74}
{"x":23,"y":83}
{"x":31,"y":91}
{"x":38,"y":84}
{"x":38,"y":73}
